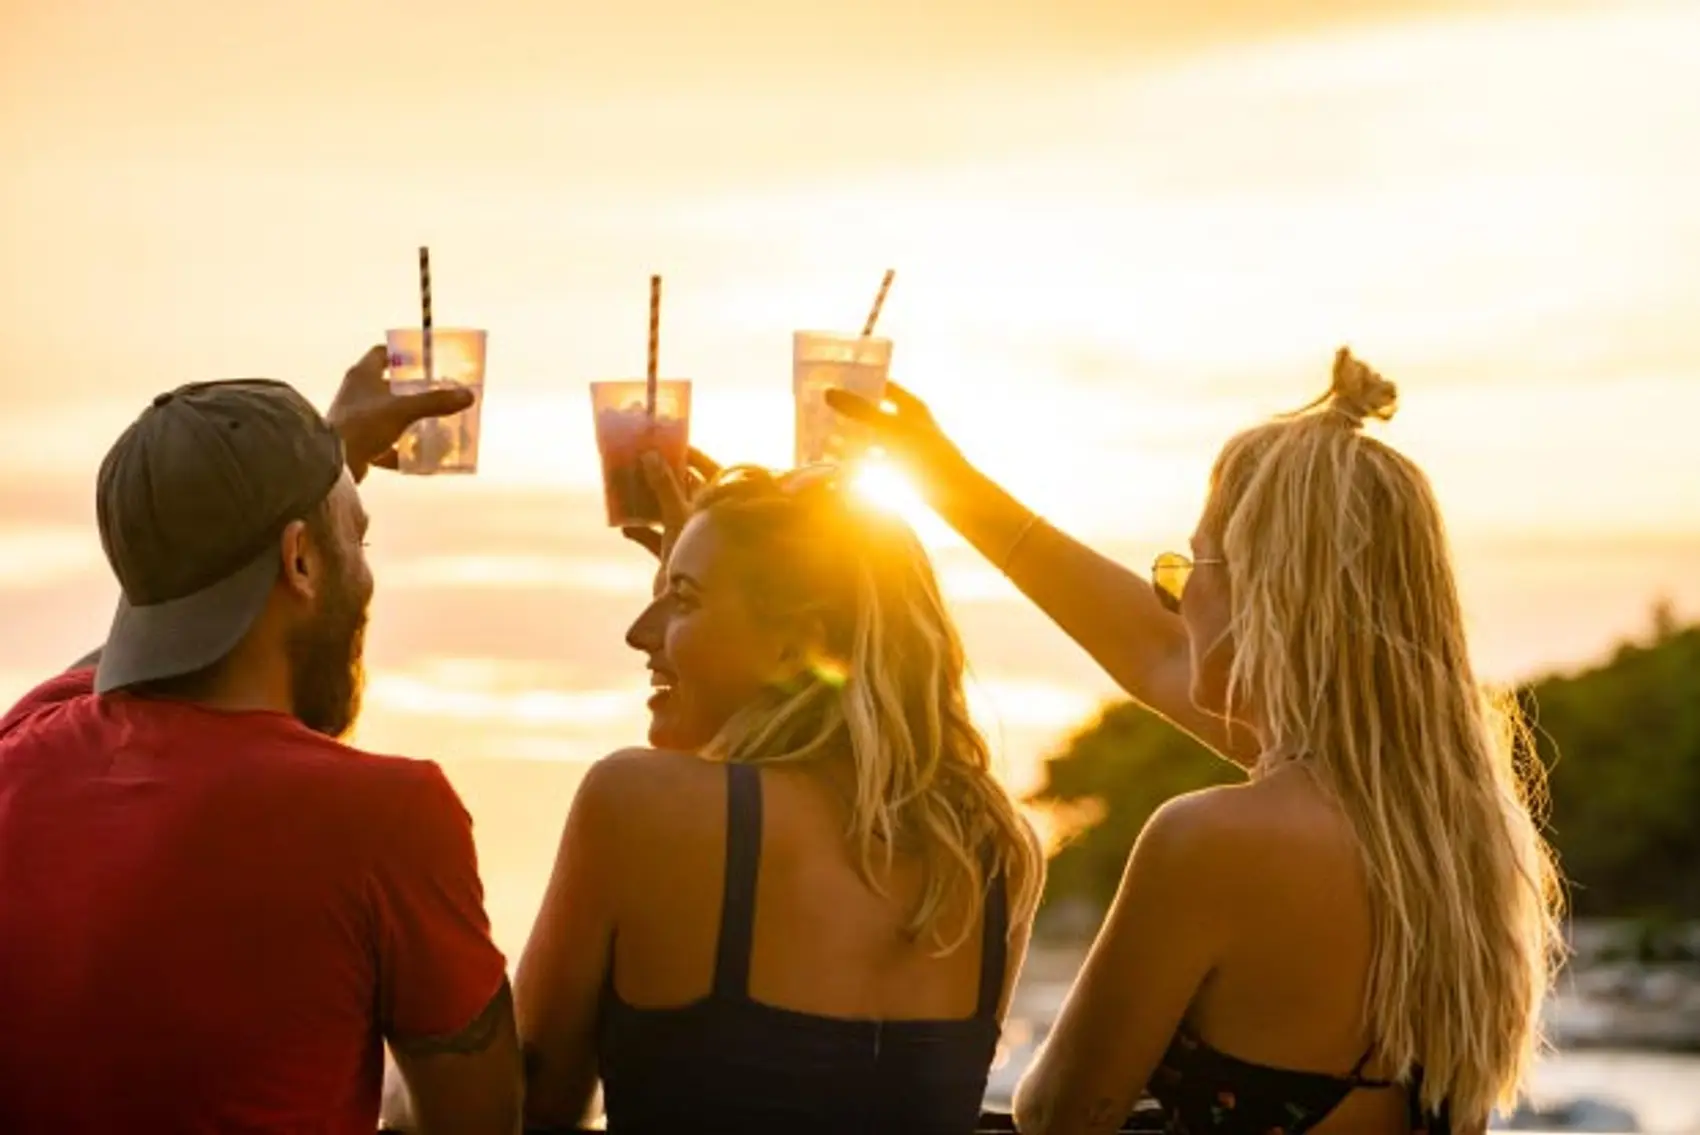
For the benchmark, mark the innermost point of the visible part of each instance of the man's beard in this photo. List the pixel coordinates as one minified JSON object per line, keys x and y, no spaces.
{"x":325,"y":659}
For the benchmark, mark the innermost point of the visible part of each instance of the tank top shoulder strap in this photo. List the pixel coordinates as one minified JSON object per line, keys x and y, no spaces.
{"x":738,"y":900}
{"x":1357,"y":1077}
{"x":994,"y":944}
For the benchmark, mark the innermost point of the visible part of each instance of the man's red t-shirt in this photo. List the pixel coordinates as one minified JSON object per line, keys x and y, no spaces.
{"x":209,"y":920}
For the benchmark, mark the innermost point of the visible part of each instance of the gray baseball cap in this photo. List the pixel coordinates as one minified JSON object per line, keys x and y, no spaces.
{"x":191,"y":501}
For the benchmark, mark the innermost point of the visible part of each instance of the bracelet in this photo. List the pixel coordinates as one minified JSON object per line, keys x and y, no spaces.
{"x":1020,"y":537}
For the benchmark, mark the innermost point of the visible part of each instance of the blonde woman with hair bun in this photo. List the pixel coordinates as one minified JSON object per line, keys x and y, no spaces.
{"x":1360,"y":937}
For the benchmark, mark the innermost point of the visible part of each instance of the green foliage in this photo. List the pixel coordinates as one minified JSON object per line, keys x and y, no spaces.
{"x":1126,"y":763}
{"x":1622,"y":745}
{"x":1621,"y":742}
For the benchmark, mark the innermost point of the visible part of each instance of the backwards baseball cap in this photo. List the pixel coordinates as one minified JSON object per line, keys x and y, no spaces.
{"x":191,"y":501}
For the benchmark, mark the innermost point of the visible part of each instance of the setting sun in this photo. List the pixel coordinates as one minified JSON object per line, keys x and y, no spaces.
{"x":882,"y":483}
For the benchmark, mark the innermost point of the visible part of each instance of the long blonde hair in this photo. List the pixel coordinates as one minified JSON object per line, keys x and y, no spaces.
{"x":1349,"y":648}
{"x":885,"y":689}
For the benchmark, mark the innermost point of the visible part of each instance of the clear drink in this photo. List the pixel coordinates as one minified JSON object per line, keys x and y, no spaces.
{"x":439,"y":445}
{"x":825,"y":360}
{"x":625,"y":432}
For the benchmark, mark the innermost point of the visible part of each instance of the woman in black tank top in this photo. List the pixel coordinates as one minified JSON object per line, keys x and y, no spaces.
{"x":730,"y":1059}
{"x":795,"y":630}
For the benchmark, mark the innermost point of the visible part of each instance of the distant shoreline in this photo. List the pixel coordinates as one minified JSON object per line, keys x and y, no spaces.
{"x":1607,"y":998}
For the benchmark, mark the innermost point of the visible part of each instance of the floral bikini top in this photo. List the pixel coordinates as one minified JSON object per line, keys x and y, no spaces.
{"x":1207,"y":1092}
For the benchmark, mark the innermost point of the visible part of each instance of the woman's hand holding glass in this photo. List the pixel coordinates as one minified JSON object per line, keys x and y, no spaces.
{"x":905,"y":428}
{"x":675,"y":496}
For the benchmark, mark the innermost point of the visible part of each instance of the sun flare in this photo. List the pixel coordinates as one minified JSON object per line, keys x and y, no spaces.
{"x":881,"y":483}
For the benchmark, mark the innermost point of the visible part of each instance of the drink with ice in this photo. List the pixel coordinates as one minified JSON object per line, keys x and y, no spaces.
{"x":625,"y":431}
{"x":822,"y":361}
{"x":439,"y":445}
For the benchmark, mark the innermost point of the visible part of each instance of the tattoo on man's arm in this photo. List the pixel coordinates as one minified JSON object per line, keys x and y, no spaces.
{"x":474,"y":1038}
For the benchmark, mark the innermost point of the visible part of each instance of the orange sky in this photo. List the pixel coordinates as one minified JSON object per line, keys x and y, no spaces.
{"x":1117,"y":224}
{"x":1121,"y":230}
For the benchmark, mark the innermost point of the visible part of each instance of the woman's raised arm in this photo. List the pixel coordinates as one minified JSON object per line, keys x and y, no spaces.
{"x":1112,"y":612}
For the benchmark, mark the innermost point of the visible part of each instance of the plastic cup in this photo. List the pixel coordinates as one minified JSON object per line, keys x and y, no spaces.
{"x":826,"y":360}
{"x":625,"y":432}
{"x":439,"y":445}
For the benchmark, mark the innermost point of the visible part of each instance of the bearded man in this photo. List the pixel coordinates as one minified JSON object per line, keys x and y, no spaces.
{"x":213,"y":913}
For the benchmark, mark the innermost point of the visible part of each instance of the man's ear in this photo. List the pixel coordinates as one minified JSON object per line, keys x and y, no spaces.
{"x":298,"y":568}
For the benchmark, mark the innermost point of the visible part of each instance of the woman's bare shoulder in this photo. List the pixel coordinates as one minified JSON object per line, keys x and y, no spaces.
{"x":636,"y":787}
{"x":639,"y":765}
{"x":1269,"y":807}
{"x":1258,"y":830}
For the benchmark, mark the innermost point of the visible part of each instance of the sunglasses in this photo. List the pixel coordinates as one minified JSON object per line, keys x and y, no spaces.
{"x":1169,"y":575}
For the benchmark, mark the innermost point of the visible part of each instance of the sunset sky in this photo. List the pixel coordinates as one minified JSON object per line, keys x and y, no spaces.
{"x":1121,"y":231}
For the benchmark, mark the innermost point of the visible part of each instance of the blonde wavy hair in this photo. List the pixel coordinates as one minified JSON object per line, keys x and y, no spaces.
{"x":885,"y":689}
{"x":1349,"y":648}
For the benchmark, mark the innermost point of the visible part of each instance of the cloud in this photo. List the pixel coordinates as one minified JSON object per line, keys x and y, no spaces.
{"x":235,"y":59}
{"x":36,"y":556}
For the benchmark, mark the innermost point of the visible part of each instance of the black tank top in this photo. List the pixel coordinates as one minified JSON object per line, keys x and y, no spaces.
{"x":726,"y":1062}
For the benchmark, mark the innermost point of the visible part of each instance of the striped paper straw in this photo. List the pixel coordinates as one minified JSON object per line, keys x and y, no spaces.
{"x":425,"y":310}
{"x":879,"y":302}
{"x":654,"y":342}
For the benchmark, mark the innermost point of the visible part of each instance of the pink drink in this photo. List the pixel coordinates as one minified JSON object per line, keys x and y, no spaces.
{"x":625,"y":432}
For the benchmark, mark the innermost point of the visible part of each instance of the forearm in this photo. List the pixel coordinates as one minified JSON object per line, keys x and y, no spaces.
{"x":1110,"y":611}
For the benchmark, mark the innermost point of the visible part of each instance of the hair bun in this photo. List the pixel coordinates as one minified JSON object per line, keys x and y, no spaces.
{"x":1359,"y":391}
